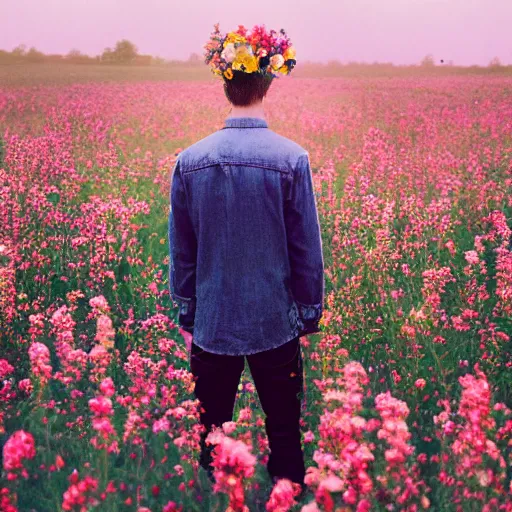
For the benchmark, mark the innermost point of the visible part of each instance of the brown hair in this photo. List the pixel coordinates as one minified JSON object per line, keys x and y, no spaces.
{"x":244,"y":89}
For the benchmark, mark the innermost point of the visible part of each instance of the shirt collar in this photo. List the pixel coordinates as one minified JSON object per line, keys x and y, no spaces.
{"x":245,"y":122}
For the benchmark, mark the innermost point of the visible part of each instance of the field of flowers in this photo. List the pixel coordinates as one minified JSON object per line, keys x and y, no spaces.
{"x":408,"y":388}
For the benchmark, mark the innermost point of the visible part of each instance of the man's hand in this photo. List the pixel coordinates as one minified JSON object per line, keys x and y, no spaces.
{"x":187,"y":337}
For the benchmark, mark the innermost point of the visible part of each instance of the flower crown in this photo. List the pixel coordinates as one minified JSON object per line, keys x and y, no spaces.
{"x":257,"y":51}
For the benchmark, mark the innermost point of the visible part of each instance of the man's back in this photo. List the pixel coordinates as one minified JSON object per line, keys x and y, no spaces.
{"x":244,"y":140}
{"x":247,"y":265}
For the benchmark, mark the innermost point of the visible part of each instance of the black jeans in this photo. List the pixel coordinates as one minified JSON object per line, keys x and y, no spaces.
{"x":278,"y":375}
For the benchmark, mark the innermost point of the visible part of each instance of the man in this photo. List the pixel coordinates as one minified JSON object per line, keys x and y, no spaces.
{"x":246,"y":257}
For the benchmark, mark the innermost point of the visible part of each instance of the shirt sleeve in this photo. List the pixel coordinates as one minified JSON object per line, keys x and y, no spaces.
{"x":183,"y":252}
{"x":305,"y":247}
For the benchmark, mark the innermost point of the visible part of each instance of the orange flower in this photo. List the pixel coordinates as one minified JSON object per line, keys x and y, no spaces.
{"x":290,"y":53}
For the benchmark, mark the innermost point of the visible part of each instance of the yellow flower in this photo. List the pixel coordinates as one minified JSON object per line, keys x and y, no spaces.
{"x":250,"y":63}
{"x":228,"y":74}
{"x":289,"y":53}
{"x":233,"y":37}
{"x":283,"y":70}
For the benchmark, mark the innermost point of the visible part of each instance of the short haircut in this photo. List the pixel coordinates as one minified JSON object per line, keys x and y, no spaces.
{"x":244,"y":89}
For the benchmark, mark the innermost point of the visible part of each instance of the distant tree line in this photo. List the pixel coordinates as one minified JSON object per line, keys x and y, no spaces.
{"x":427,"y":65}
{"x":123,"y":53}
{"x":126,"y":53}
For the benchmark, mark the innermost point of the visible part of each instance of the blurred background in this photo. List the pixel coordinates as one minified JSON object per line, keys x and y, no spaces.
{"x":64,"y":40}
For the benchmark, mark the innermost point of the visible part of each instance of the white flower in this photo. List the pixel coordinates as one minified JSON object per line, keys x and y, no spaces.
{"x":276,"y":61}
{"x":229,"y":53}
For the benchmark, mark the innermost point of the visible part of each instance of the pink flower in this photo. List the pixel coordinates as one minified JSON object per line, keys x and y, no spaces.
{"x":100,"y":405}
{"x":179,"y":470}
{"x":234,"y":456}
{"x":390,"y":407}
{"x":26,"y":386}
{"x":5,"y":368}
{"x":283,"y":495}
{"x":394,"y":456}
{"x":107,"y":387}
{"x":229,"y":427}
{"x":363,"y":506}
{"x":233,"y":462}
{"x":395,"y":294}
{"x":396,"y":376}
{"x":332,"y":484}
{"x":450,"y":246}
{"x":63,"y":325}
{"x":19,"y":447}
{"x":420,"y":383}
{"x":449,"y":427}
{"x":99,"y":303}
{"x":161,"y":425}
{"x":309,"y":437}
{"x":39,"y":356}
{"x":172,"y":507}
{"x":245,"y":414}
{"x":80,"y":493}
{"x":472,"y":257}
{"x":310,"y":507}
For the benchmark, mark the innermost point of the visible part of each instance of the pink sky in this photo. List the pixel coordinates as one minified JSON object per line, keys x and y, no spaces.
{"x":400,"y":31}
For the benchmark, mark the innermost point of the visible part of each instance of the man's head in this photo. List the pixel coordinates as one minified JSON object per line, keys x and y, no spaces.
{"x":246,"y":89}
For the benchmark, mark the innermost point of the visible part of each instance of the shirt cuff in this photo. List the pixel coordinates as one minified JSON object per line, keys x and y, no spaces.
{"x":310,"y":313}
{"x":187,"y":313}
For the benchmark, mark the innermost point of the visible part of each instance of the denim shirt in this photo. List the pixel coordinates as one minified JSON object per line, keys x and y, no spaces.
{"x":246,"y":264}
